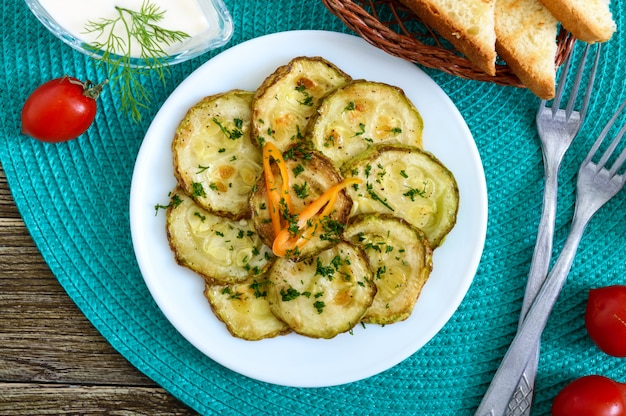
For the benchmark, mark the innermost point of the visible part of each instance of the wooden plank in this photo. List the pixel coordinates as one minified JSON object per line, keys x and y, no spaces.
{"x":37,"y":399}
{"x":52,"y":360}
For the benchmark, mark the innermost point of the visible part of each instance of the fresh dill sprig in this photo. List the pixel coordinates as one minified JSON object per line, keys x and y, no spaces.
{"x":118,"y":34}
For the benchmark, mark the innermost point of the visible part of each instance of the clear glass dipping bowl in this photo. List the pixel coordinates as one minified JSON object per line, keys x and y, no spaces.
{"x":218,"y":33}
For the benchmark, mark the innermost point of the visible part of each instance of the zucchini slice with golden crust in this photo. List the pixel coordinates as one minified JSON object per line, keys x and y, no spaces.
{"x":323,"y":295}
{"x":409,"y":183}
{"x":215,"y":247}
{"x":310,"y":175}
{"x":214,"y":160}
{"x":244,"y":309}
{"x":401,"y":259}
{"x":352,"y":118}
{"x":289,"y":96}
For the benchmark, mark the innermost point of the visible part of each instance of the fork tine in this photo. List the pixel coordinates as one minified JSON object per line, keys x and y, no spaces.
{"x":556,"y":101}
{"x":590,"y":82}
{"x":609,"y":151}
{"x":579,"y":76}
{"x":603,"y":134}
{"x":620,"y":160}
{"x":574,"y":92}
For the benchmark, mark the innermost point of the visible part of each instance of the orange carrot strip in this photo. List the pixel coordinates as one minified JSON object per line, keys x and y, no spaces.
{"x":277,"y":155}
{"x":328,"y":209}
{"x":304,"y":236}
{"x":285,"y":242}
{"x":274,"y":195}
{"x":331,"y":193}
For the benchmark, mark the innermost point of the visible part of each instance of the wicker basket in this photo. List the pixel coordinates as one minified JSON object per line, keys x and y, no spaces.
{"x":390,"y":26}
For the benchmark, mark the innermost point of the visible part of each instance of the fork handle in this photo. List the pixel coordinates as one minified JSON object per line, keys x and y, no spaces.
{"x":526,"y":341}
{"x":522,"y":398}
{"x":540,"y":262}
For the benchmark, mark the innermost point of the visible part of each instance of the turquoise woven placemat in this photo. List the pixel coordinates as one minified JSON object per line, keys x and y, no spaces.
{"x":74,"y":199}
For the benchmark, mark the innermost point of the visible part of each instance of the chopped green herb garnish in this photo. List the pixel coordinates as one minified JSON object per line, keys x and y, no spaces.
{"x":231,"y":295}
{"x":361,"y":131}
{"x":324,"y":271}
{"x":380,"y":271}
{"x":259,"y":289}
{"x":319,"y":305}
{"x":376,"y":197}
{"x":301,"y":190}
{"x":175,"y":201}
{"x":298,"y":170}
{"x":197,"y":190}
{"x":308,"y":99}
{"x":289,"y":294}
{"x":413,"y":192}
{"x":233,"y":134}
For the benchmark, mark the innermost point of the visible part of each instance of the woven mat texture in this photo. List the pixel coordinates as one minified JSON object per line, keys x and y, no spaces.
{"x":74,"y":199}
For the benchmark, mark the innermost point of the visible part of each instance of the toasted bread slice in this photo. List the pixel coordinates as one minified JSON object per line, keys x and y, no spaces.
{"x":468,"y":25}
{"x":526,"y":39}
{"x":587,"y":20}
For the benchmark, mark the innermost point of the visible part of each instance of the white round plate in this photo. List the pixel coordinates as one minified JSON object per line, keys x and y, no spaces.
{"x":295,"y":360}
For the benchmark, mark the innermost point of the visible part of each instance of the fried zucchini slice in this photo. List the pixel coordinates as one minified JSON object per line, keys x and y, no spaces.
{"x":310,"y":175}
{"x":362,"y":113}
{"x":324,"y":295}
{"x":214,"y":160}
{"x":401,"y":260}
{"x":409,"y":183}
{"x":217,"y":248}
{"x":288,"y":97}
{"x":244,"y":309}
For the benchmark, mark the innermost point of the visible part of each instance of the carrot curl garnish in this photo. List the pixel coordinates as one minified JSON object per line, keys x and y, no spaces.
{"x":274,"y":194}
{"x":287,"y":241}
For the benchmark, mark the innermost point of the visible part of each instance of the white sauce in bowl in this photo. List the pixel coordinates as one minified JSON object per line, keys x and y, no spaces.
{"x":187,"y":16}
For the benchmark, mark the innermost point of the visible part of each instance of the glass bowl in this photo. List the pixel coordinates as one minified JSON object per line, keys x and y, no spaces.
{"x":213,"y":25}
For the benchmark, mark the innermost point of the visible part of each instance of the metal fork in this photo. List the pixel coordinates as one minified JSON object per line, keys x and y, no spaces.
{"x":595,"y":186}
{"x":557,"y":128}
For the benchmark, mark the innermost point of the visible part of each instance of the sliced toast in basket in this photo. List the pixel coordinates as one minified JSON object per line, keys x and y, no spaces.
{"x":468,"y":25}
{"x":588,"y":20}
{"x":526,"y":39}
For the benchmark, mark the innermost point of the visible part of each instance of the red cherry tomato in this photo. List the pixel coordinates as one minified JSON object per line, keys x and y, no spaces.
{"x":60,"y":110}
{"x":605,"y":319}
{"x":591,"y":396}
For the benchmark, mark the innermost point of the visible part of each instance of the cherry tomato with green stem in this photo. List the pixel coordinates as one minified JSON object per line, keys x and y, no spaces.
{"x":60,"y":109}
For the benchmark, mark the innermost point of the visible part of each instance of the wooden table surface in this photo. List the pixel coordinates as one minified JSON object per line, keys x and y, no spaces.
{"x":52,"y":360}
